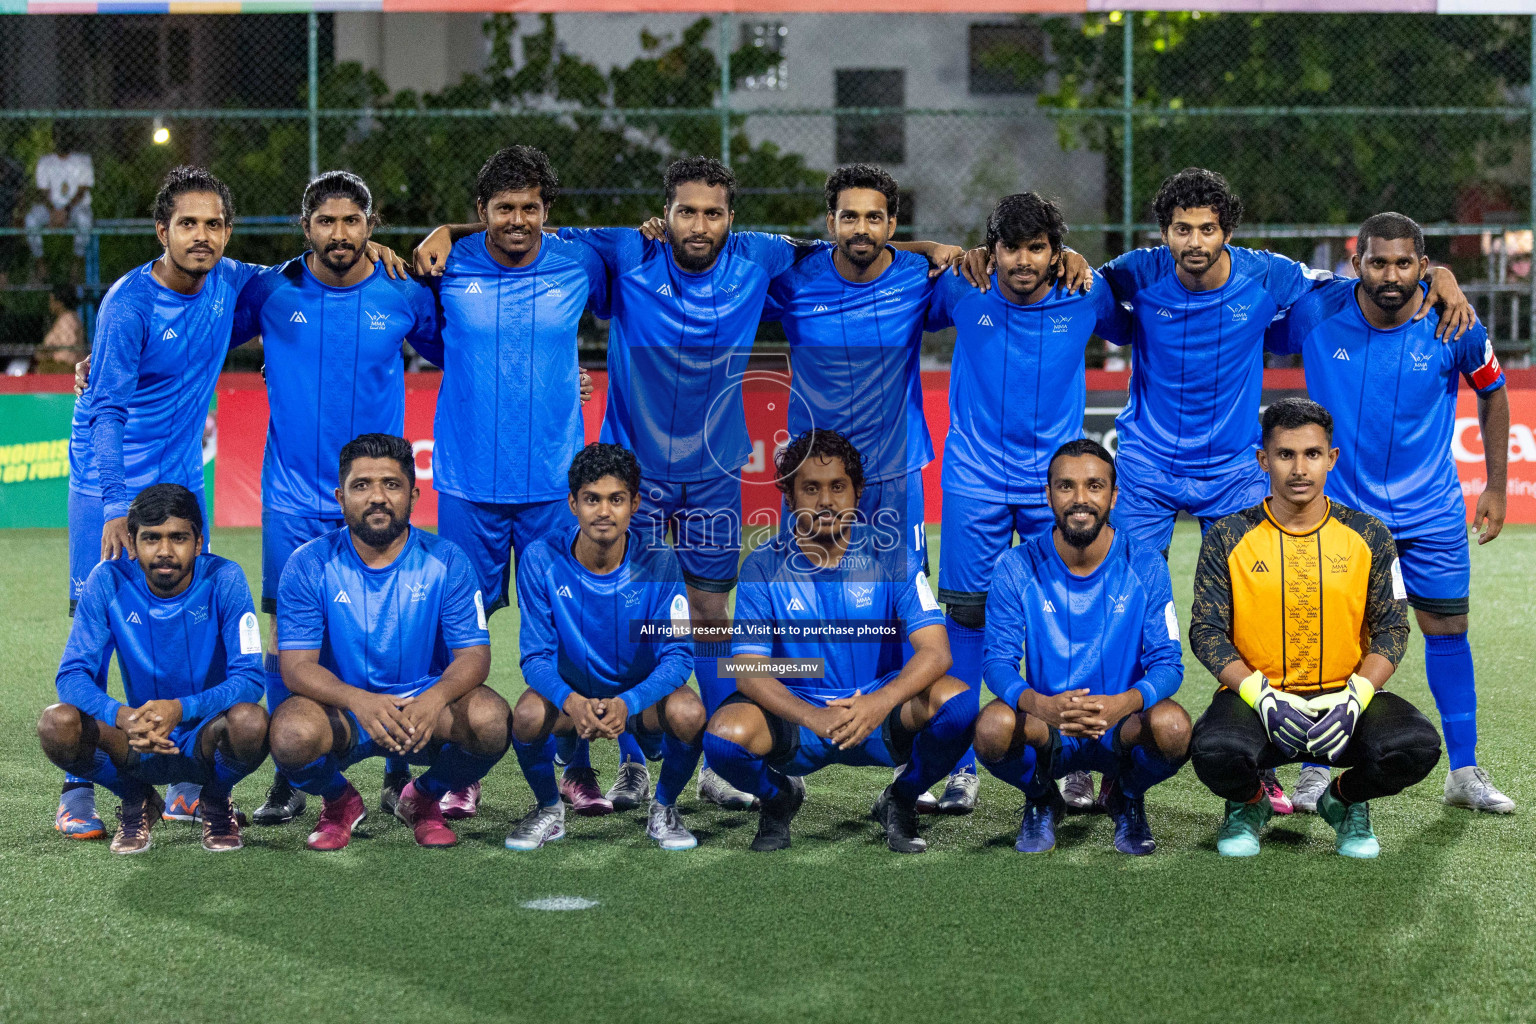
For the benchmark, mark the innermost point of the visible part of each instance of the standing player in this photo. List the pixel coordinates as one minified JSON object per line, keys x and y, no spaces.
{"x":583,"y":596}
{"x":189,"y":649}
{"x":1364,"y":347}
{"x":835,"y":699}
{"x":1092,"y":612}
{"x":1017,"y":392}
{"x":331,"y":325}
{"x":384,"y":647}
{"x":1299,"y":614}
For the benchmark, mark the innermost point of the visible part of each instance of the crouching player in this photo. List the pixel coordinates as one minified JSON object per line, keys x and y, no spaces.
{"x":586,"y":593}
{"x":189,"y":649}
{"x":383,"y":646}
{"x":1092,"y":612}
{"x":866,"y":707}
{"x":1301,"y":615}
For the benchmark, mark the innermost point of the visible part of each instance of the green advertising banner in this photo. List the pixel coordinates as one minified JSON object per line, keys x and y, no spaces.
{"x":34,"y":459}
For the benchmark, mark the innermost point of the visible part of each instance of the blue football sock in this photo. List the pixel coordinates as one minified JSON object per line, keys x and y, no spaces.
{"x":1017,"y":771}
{"x":1141,"y":768}
{"x":572,"y":751}
{"x":395,"y":764}
{"x":277,"y":690}
{"x":712,"y":688}
{"x":937,"y":747}
{"x":455,"y":768}
{"x":739,"y":766}
{"x":966,"y":646}
{"x":227,"y":770}
{"x":538,"y":764}
{"x":100,"y":770}
{"x":321,"y":777}
{"x":1448,"y":667}
{"x":629,"y":748}
{"x":73,"y":781}
{"x":678,"y":761}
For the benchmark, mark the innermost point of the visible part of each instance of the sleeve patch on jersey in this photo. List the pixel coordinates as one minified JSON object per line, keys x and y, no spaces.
{"x":925,"y":594}
{"x":1489,"y":372}
{"x":479,"y":609}
{"x":679,"y":614}
{"x":250,"y":634}
{"x":1399,"y":591}
{"x":1171,"y":617}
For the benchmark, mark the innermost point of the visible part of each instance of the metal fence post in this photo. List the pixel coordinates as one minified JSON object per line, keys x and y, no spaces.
{"x":1127,"y":98}
{"x":314,"y":95}
{"x":723,"y":43}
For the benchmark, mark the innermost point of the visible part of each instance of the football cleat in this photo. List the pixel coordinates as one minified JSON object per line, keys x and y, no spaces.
{"x":1270,"y":784}
{"x":76,"y":817}
{"x":221,"y":826}
{"x":715,"y":790}
{"x":1239,"y":835}
{"x":424,"y":814}
{"x":578,"y":787}
{"x":1471,"y":787}
{"x":181,"y":801}
{"x":1077,"y":792}
{"x":458,"y":804}
{"x":632,"y":788}
{"x":776,"y":814}
{"x":1352,"y":822}
{"x":338,"y":818}
{"x":959,"y":795}
{"x":1133,"y":834}
{"x":665,"y":826}
{"x":1310,"y":784}
{"x":135,"y":820}
{"x":539,"y":826}
{"x":284,"y":802}
{"x":898,"y":820}
{"x":389,"y":794}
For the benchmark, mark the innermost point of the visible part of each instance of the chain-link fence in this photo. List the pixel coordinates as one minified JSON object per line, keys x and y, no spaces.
{"x":1318,"y":121}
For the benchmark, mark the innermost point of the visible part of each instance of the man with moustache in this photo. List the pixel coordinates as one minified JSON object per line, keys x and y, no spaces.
{"x":381,"y":629}
{"x":1091,"y":611}
{"x":1017,"y":392}
{"x":1392,"y":387}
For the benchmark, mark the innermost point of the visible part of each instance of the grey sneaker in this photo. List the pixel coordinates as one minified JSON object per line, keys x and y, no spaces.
{"x":1310,"y":786}
{"x":715,"y":790}
{"x":959,"y":794}
{"x":283,"y":803}
{"x":539,"y":826}
{"x":632,"y":788}
{"x":665,"y":826}
{"x":1077,"y":791}
{"x":1471,"y":787}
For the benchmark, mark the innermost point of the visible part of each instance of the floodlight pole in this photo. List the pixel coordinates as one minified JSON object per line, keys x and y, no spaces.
{"x":1127,"y":98}
{"x":723,"y":45}
{"x":314,"y":95}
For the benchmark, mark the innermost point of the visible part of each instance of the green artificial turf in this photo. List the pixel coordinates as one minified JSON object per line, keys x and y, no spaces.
{"x":1441,"y":927}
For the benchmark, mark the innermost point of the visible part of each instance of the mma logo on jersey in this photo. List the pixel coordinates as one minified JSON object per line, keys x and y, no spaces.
{"x":418,"y":591}
{"x":555,"y":291}
{"x":1118,"y":602}
{"x":563,"y":591}
{"x":863,"y":595}
{"x":664,"y":290}
{"x":133,"y":617}
{"x":77,"y":584}
{"x":796,"y":605}
{"x":341,"y":598}
{"x":1239,"y":311}
{"x":632,"y":598}
{"x":198,"y":614}
{"x":297,"y":318}
{"x":1337,"y":563}
{"x":473,"y":289}
{"x":821,"y":307}
{"x":1059,"y":324}
{"x":985,"y":321}
{"x":1341,"y":354}
{"x":218,"y":307}
{"x":1420,"y":360}
{"x":377,"y":321}
{"x":168,"y":335}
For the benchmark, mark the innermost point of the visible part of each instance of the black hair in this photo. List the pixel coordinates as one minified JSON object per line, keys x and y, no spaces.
{"x":704,"y":169}
{"x":863,"y":176}
{"x":1290,"y":413}
{"x":67,"y":295}
{"x":159,"y":502}
{"x":598,"y":460}
{"x":1083,"y":446}
{"x":516,"y":168}
{"x":185,"y":180}
{"x":1025,"y":215}
{"x":336,"y":185}
{"x":1389,"y":227}
{"x":1192,"y":188}
{"x":378,"y":446}
{"x":820,"y":444}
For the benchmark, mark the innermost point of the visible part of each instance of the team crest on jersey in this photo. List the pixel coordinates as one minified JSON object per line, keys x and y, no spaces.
{"x":1239,"y":311}
{"x":133,"y":617}
{"x":1118,"y":603}
{"x":1059,"y":324}
{"x":1165,"y":314}
{"x":473,"y":289}
{"x":199,"y":615}
{"x":168,"y":335}
{"x":563,"y":591}
{"x":556,"y":291}
{"x":863,"y":595}
{"x":341,"y":598}
{"x":418,"y":591}
{"x":985,"y":321}
{"x":1337,"y":563}
{"x":888,"y":293}
{"x":1420,"y":360}
{"x":77,"y":584}
{"x":632,"y":598}
{"x":297,"y":318}
{"x":377,"y":321}
{"x":218,"y":307}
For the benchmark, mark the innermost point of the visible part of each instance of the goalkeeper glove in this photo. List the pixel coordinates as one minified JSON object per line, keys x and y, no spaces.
{"x":1339,"y":713}
{"x":1284,"y":716}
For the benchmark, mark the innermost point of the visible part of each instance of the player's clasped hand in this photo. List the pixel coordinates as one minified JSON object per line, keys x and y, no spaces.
{"x":383,"y":716}
{"x":422,"y":713}
{"x":613,"y":716}
{"x":1072,"y":712}
{"x":586,"y":714}
{"x":1286,"y":718}
{"x":866,"y":713}
{"x":149,"y":726}
{"x":1339,"y":714}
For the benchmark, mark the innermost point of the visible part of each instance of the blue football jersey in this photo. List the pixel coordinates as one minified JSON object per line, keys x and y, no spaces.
{"x":154,"y":365}
{"x":856,"y":349}
{"x":389,"y":630}
{"x":678,"y":347}
{"x":1392,"y":394}
{"x":1017,"y":383}
{"x":781,"y":588}
{"x":201,"y":647}
{"x":1106,"y":632}
{"x":1197,"y":370}
{"x":602,"y":635}
{"x":334,"y":370}
{"x":509,"y":409}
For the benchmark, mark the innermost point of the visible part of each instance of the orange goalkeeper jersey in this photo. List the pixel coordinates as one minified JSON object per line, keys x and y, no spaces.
{"x":1304,"y":609}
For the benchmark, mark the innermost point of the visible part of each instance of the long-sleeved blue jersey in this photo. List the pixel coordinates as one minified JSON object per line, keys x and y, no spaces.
{"x":781,"y":589}
{"x":334,"y":370}
{"x":1017,"y":386}
{"x":1108,"y":632}
{"x":389,"y":630}
{"x":509,"y":409}
{"x":201,"y":647}
{"x":856,"y":351}
{"x":154,"y":364}
{"x":583,"y":633}
{"x":1198,"y":359}
{"x":1393,"y":399}
{"x":678,"y":348}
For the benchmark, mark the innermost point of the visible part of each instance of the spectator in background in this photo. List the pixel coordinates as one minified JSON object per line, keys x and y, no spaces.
{"x":64,"y":344}
{"x":13,"y":181}
{"x":65,"y":179}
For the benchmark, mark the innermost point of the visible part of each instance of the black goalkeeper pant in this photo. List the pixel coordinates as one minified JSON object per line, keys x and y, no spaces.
{"x":1394,"y":746}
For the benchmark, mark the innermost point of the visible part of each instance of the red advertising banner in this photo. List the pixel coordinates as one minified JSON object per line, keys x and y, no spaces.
{"x":1467,"y":447}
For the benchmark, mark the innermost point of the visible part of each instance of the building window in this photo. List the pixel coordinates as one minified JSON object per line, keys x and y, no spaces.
{"x":769,"y":70}
{"x":874,"y":139}
{"x":1006,"y":60}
